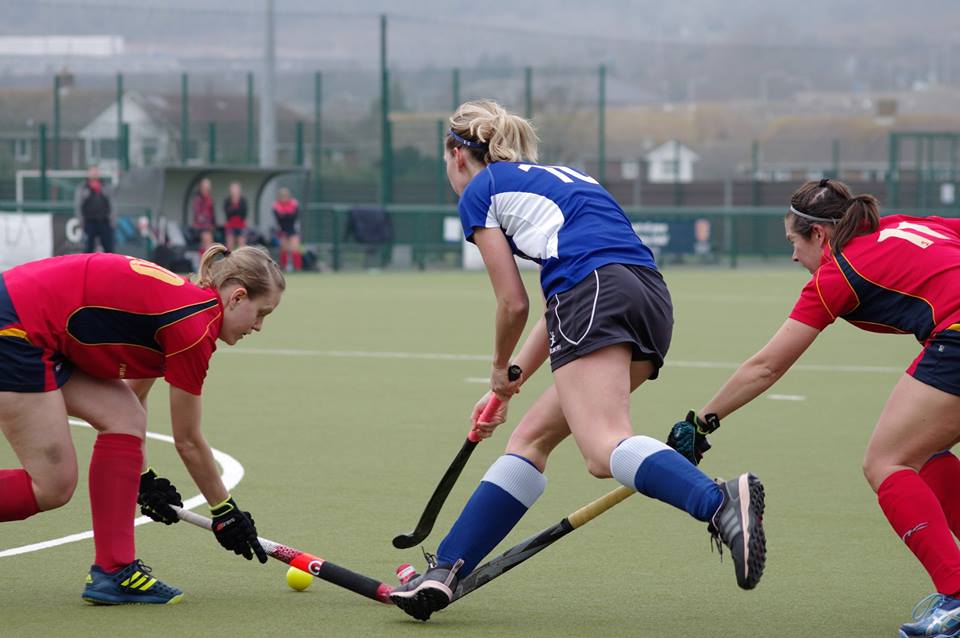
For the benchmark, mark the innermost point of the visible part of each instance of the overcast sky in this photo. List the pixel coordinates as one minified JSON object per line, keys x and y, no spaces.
{"x":469,"y":22}
{"x":672,"y":49}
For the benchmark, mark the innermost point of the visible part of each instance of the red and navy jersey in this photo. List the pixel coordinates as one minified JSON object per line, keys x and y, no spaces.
{"x":286,"y":211}
{"x":118,"y":317}
{"x":204,"y":217}
{"x":902,"y":278}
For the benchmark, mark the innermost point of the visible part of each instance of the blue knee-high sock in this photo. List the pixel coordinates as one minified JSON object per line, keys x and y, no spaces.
{"x":657,"y":470}
{"x":508,"y":489}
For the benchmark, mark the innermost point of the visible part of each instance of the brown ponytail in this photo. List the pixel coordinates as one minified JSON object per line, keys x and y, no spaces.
{"x":861,"y":217}
{"x":829,"y":202}
{"x":249,"y":266}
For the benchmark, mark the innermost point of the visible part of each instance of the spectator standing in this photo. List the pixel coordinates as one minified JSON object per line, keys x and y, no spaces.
{"x":286,"y":210}
{"x":204,"y":219}
{"x":95,"y":211}
{"x":235,"y":211}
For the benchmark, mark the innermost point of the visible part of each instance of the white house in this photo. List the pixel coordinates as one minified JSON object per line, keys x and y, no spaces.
{"x":150,"y":141}
{"x":670,"y":162}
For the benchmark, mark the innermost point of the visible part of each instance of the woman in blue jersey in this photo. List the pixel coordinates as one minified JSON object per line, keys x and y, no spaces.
{"x":606,"y":328}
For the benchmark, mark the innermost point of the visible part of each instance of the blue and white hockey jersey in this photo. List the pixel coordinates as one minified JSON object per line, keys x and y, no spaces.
{"x":556,"y":216}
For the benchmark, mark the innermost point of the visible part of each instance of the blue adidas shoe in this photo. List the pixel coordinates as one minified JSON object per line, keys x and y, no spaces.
{"x":131,"y":585}
{"x":936,"y":616}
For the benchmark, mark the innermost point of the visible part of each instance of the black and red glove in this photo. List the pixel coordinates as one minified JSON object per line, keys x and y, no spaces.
{"x":155,"y":497}
{"x":236,"y":531}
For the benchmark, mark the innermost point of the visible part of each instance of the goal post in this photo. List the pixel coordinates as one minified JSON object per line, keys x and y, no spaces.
{"x":62,"y":183}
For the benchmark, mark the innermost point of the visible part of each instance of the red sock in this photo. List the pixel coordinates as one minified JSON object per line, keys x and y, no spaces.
{"x":283,"y":260}
{"x":942,"y":474}
{"x":17,"y":500}
{"x":114,"y":482}
{"x":913,"y":511}
{"x":297,"y":261}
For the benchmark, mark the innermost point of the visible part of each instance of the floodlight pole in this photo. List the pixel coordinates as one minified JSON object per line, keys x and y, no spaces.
{"x":268,"y":114}
{"x":56,"y":120}
{"x":386,"y":143}
{"x":602,"y":124}
{"x":119,"y":121}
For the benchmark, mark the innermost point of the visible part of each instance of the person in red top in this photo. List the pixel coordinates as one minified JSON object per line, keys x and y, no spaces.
{"x":235,"y":210}
{"x":86,"y":335}
{"x":204,"y":219}
{"x":286,"y":210}
{"x":894,"y":274}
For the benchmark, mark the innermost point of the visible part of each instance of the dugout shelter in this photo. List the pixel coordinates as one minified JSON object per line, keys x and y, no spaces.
{"x":168,"y":191}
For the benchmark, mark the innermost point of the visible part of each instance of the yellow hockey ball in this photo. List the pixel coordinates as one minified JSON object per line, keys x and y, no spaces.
{"x":298,"y":580}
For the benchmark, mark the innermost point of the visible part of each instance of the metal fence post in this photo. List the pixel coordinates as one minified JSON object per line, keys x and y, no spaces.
{"x":528,"y":92}
{"x":184,"y":119}
{"x":125,"y":146}
{"x":441,"y":165}
{"x":336,"y":238}
{"x":386,"y":144}
{"x":250,"y":155}
{"x":298,"y":153}
{"x":602,"y":125}
{"x":119,"y":118}
{"x":42,"y":152}
{"x":317,"y":136}
{"x":893,"y":173}
{"x":56,"y":120}
{"x":835,"y":151}
{"x":455,"y":90}
{"x":212,"y":143}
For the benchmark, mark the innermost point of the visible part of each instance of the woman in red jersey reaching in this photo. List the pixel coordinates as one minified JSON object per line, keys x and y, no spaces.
{"x":72,"y":329}
{"x":857,"y":260}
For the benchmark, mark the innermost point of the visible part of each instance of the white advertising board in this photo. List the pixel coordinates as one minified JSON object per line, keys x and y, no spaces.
{"x":24,"y":237}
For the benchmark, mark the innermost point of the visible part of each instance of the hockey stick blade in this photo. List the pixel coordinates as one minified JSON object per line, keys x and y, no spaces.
{"x":434,"y":505}
{"x":438,"y":498}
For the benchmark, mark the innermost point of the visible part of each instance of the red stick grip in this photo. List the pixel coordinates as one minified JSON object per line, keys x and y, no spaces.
{"x":488,"y":411}
{"x":513,"y":373}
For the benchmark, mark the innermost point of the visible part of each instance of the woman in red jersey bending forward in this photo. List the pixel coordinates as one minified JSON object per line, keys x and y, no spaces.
{"x":894,"y":274}
{"x":72,"y":329}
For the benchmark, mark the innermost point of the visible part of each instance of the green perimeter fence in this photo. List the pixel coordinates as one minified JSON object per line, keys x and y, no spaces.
{"x":430,"y":236}
{"x":357,"y":236}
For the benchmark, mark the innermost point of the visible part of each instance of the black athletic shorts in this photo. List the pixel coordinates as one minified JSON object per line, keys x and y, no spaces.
{"x":616,"y":303}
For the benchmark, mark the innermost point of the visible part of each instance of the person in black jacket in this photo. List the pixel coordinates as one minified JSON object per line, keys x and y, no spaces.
{"x":94,"y":209}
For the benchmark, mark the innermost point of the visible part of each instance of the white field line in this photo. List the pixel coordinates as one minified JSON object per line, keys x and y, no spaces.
{"x":786,"y":397}
{"x":446,"y":356}
{"x":232,"y":473}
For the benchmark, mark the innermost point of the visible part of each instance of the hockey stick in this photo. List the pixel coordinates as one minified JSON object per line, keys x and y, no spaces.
{"x":432,"y":510}
{"x":533,"y":545}
{"x":322,"y":569}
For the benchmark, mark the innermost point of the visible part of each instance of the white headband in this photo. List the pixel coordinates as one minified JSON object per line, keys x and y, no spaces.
{"x":828,"y":220}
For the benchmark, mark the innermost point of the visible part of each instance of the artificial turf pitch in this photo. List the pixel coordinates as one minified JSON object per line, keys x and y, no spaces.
{"x":346,"y":409}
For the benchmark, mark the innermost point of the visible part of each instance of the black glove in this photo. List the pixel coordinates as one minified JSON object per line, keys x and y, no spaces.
{"x":689,"y":437}
{"x":156,"y":496}
{"x":236,"y":531}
